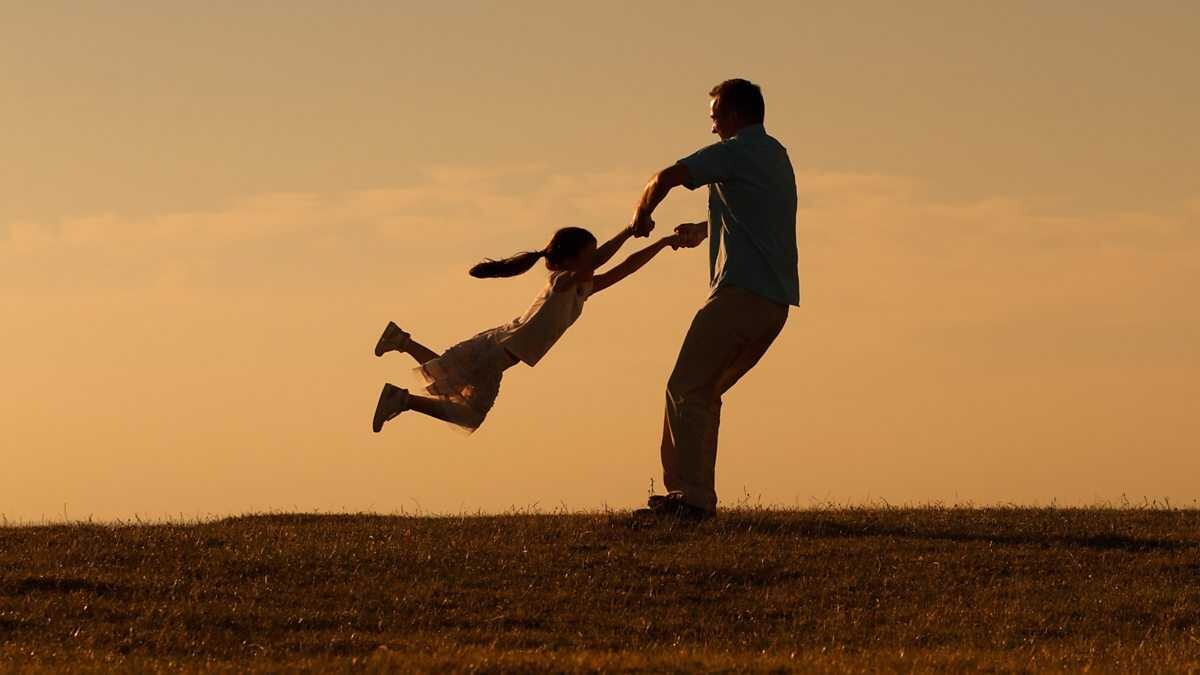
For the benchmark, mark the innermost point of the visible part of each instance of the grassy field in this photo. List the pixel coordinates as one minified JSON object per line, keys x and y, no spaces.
{"x":826,"y":590}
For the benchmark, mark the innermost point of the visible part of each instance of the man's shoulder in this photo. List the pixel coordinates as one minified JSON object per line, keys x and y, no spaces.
{"x":777,"y":150}
{"x":771,"y":141}
{"x":756,"y":144}
{"x":715,"y":146}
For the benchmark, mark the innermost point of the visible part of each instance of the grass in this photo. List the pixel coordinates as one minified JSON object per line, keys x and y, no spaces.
{"x":825,"y":590}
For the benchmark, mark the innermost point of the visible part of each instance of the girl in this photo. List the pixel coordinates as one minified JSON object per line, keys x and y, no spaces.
{"x":463,"y":382}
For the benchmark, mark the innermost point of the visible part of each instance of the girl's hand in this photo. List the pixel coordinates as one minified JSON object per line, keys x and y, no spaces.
{"x":675,"y":241}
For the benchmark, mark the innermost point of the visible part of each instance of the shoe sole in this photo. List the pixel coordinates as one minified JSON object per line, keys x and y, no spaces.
{"x":380,"y":347}
{"x":380,"y":416}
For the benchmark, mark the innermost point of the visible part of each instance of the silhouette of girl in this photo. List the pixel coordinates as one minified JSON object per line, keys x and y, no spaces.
{"x":462,"y":383}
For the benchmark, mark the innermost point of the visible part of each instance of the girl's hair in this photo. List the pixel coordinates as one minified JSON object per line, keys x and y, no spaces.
{"x":565,"y":243}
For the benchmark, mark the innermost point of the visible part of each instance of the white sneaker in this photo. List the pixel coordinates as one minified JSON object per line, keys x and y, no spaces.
{"x":392,"y":401}
{"x":392,"y":339}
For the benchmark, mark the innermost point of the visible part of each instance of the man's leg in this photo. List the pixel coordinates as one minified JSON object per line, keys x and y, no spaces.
{"x":770,"y":324}
{"x":727,"y":337}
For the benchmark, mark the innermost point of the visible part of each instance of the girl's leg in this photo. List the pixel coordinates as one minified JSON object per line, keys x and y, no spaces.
{"x":447,"y":411}
{"x":420,"y":352}
{"x":396,"y":339}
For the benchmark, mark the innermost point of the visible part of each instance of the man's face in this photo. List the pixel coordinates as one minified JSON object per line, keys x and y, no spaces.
{"x":725,"y":123}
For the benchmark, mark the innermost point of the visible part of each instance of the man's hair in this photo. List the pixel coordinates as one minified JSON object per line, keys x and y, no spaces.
{"x":745,"y":98}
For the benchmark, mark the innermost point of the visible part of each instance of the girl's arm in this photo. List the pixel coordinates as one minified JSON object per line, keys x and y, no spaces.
{"x":633,"y":263}
{"x":603,"y":254}
{"x":610,"y":247}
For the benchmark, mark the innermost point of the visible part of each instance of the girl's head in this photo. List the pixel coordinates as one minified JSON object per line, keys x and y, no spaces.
{"x":571,"y":249}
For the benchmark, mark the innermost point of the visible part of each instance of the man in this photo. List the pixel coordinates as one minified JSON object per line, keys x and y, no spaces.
{"x":753,"y":276}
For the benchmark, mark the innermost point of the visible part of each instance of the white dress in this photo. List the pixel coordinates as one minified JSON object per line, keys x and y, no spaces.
{"x":467,"y":376}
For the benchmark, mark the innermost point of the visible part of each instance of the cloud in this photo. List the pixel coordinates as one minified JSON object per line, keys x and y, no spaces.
{"x":977,"y":326}
{"x":461,"y":203}
{"x":450,"y":212}
{"x":892,"y":209}
{"x":865,"y":239}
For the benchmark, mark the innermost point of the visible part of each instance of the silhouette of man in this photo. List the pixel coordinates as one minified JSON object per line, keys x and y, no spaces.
{"x":752,"y":262}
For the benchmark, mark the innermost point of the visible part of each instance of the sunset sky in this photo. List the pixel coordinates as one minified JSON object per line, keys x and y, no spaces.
{"x":208,"y":212}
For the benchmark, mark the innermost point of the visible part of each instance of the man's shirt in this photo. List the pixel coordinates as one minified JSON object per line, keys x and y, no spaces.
{"x":751,"y":214}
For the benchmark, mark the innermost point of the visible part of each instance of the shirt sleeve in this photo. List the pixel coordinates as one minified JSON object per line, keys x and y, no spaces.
{"x":709,"y":164}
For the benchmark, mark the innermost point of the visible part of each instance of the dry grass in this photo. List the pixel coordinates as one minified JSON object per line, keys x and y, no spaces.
{"x":830,"y":589}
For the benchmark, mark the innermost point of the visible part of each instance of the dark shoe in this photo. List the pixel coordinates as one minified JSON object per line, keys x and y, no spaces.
{"x":662,"y":501}
{"x":392,"y":339}
{"x":672,"y":504}
{"x":392,"y":401}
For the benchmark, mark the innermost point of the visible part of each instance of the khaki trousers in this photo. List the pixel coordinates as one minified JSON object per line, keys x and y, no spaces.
{"x":729,"y":334}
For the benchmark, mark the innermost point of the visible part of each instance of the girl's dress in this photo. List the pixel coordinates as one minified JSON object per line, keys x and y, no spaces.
{"x":466,"y":378}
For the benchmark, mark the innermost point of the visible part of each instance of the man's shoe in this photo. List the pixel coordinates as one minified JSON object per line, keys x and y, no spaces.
{"x":392,"y":339}
{"x":672,"y":504}
{"x":658,"y":501}
{"x":392,"y":401}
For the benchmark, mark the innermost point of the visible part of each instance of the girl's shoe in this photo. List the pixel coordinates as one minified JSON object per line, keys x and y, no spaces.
{"x":392,"y":339}
{"x":392,"y":401}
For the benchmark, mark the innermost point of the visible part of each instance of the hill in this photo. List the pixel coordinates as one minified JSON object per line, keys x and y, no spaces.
{"x":827,"y":589}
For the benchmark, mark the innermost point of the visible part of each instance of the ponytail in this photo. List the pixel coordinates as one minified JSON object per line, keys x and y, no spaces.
{"x":565,"y":243}
{"x":508,"y":267}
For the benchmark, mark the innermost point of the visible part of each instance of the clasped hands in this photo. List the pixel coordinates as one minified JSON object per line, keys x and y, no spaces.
{"x":687,"y":235}
{"x":690,"y":235}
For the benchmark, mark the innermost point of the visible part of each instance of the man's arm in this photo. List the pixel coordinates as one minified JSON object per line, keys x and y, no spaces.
{"x":656,"y":190}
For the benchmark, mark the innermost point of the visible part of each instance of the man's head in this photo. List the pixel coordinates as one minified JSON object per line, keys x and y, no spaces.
{"x":735,"y":104}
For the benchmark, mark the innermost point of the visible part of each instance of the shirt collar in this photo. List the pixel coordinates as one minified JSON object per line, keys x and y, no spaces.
{"x":752,"y":130}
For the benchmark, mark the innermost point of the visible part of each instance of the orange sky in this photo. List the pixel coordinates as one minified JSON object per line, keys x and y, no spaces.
{"x":208,"y":213}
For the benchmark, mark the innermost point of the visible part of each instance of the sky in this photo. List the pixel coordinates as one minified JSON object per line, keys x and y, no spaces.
{"x":208,"y":212}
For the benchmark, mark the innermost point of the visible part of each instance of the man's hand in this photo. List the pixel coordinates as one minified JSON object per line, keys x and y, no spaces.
{"x":642,"y":224}
{"x":656,"y":189}
{"x":691,"y":234}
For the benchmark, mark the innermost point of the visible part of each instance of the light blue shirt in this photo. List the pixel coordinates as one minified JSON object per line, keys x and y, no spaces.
{"x":751,"y":214}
